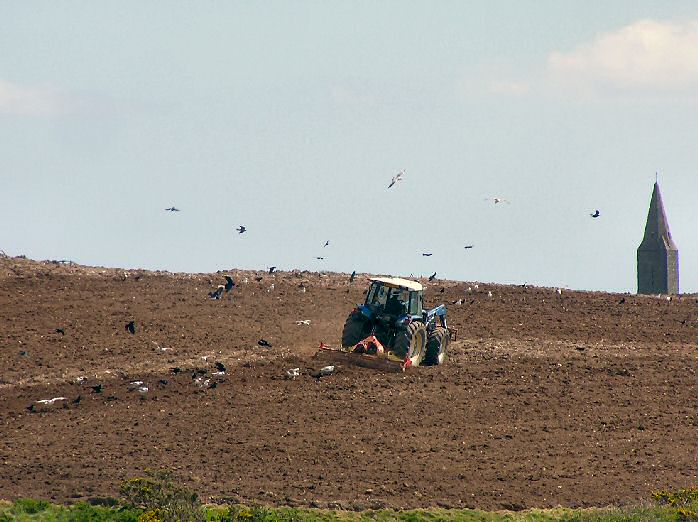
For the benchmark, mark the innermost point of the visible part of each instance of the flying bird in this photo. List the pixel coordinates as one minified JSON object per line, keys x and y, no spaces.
{"x":264,"y":342}
{"x":397,"y":177}
{"x":327,"y":243}
{"x":595,"y":214}
{"x":497,"y":200}
{"x":319,"y":257}
{"x":426,"y":254}
{"x":51,"y":401}
{"x":241,"y":229}
{"x":271,"y":269}
{"x":352,"y":276}
{"x":468,"y":246}
{"x":131,"y":327}
{"x":229,"y":283}
{"x":172,"y":209}
{"x":432,"y":276}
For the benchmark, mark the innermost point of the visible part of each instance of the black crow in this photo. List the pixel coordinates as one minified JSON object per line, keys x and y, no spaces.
{"x":241,"y":229}
{"x":264,"y":342}
{"x":352,"y":276}
{"x":426,"y":254}
{"x":229,"y":283}
{"x":271,"y":269}
{"x":327,"y":243}
{"x":220,"y":366}
{"x":131,"y":327}
{"x":432,"y":276}
{"x":216,"y":294}
{"x":172,"y":209}
{"x":60,"y":331}
{"x":98,"y":388}
{"x":595,"y":214}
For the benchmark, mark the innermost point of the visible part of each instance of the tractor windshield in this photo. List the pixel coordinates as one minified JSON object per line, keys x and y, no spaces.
{"x":392,"y":300}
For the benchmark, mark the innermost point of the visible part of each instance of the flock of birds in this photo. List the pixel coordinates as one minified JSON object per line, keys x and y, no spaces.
{"x":241,"y":229}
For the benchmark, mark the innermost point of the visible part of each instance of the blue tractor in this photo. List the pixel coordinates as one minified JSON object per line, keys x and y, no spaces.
{"x":392,"y":323}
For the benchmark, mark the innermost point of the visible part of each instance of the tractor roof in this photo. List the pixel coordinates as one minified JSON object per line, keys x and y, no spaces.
{"x":396,"y":282}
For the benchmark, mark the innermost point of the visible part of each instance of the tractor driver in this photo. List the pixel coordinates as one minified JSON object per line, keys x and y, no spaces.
{"x":395,"y":305}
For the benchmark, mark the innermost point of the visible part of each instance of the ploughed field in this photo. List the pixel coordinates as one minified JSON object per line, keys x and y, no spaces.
{"x":577,"y":399}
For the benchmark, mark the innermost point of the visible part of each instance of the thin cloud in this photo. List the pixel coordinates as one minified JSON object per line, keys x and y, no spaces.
{"x":647,"y":58}
{"x":32,"y":101}
{"x":514,"y":88}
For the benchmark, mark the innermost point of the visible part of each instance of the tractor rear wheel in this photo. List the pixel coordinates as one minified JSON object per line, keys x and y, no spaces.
{"x":356,"y":328}
{"x":437,"y":343}
{"x":410,"y":343}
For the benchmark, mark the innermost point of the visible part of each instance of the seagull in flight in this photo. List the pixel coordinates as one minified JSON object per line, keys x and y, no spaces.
{"x":595,"y":214}
{"x":497,"y":200}
{"x":241,"y":229}
{"x":172,"y":209}
{"x":397,"y":177}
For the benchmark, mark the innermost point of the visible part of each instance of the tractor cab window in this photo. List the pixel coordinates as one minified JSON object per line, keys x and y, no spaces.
{"x":377,"y":295}
{"x":415,"y":303}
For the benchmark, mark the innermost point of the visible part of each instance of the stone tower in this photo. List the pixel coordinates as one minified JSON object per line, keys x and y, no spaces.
{"x":657,"y":255}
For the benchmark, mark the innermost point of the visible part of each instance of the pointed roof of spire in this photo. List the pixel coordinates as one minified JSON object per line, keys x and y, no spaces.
{"x":657,"y":228}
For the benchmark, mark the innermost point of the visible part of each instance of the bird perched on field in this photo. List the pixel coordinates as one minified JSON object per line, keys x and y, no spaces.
{"x":229,"y":283}
{"x":241,"y":229}
{"x":323,"y":372}
{"x":131,"y":327}
{"x":397,"y":177}
{"x":98,"y":388}
{"x":220,"y":367}
{"x":60,"y":331}
{"x":293,"y":373}
{"x":172,"y":209}
{"x":271,"y":269}
{"x":216,"y":294}
{"x":352,"y":276}
{"x":264,"y":342}
{"x":432,"y":276}
{"x":595,"y":214}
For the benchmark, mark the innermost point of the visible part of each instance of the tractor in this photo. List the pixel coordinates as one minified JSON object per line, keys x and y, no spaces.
{"x":391,"y":324}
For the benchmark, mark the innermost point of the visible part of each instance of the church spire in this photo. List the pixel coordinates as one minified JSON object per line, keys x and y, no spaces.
{"x":657,"y":255}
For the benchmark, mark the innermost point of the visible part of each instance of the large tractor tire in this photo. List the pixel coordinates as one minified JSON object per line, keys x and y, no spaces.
{"x":411,"y":343}
{"x":437,"y":343}
{"x":356,"y":328}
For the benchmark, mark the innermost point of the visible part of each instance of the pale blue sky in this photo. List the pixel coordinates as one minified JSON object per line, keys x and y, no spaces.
{"x":291,"y":118}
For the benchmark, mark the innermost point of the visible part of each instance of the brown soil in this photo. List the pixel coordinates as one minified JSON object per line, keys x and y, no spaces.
{"x":574,"y":399}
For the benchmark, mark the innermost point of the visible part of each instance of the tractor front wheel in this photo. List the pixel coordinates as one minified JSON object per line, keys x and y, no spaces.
{"x":437,"y":342}
{"x":356,"y":328}
{"x":410,"y":343}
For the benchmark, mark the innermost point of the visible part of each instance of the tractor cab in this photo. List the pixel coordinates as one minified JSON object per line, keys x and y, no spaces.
{"x":394,"y":297}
